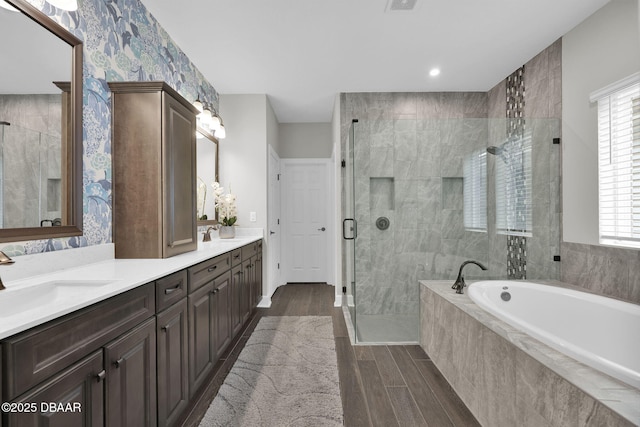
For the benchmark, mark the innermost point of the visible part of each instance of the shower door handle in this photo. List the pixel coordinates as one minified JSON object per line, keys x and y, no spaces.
{"x":354,"y":229}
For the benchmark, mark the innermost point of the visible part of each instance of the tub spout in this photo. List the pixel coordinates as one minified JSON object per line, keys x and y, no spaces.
{"x":459,"y":283}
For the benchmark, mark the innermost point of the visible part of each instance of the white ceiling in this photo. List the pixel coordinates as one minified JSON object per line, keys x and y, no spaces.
{"x":302,"y":52}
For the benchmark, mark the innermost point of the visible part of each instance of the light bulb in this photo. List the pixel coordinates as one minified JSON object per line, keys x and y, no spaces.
{"x":215,"y":122}
{"x":198,"y":104}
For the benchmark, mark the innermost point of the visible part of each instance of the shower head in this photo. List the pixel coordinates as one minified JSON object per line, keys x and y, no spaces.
{"x":4,"y":123}
{"x":497,"y":151}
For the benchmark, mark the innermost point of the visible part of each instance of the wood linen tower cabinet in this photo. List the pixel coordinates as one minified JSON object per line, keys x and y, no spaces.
{"x":154,"y":170}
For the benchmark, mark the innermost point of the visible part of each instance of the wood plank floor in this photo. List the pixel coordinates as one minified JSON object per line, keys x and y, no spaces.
{"x":380,"y":385}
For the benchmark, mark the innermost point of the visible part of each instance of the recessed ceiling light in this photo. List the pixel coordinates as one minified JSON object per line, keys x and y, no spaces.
{"x":434,"y":72}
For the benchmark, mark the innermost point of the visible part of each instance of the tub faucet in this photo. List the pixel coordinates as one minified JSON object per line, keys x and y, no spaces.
{"x":4,"y":260}
{"x":207,"y":234}
{"x":459,"y":284}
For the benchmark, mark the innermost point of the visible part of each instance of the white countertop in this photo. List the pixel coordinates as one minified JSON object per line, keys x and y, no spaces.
{"x":88,"y":284}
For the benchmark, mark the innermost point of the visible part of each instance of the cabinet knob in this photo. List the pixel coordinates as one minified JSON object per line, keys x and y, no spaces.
{"x":118,"y":362}
{"x":210,"y":269}
{"x":164,"y":328}
{"x":101,"y":376}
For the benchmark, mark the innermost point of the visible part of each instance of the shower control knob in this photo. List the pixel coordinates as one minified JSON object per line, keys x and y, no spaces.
{"x":321,"y":229}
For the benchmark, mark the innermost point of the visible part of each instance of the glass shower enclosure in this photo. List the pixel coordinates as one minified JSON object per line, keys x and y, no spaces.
{"x":421,"y":196}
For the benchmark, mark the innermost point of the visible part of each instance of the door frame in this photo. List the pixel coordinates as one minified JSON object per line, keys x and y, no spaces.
{"x":274,"y":215}
{"x":329,"y":212}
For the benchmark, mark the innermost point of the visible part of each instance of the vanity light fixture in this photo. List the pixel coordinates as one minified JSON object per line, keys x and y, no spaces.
{"x":198,"y":104}
{"x":221,"y":133}
{"x":69,"y":5}
{"x":7,"y":6}
{"x":216,"y":121}
{"x":205,"y":117}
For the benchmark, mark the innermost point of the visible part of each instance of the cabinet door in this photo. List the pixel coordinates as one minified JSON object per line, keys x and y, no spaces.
{"x":245,"y":298}
{"x":173,"y":368}
{"x":236,"y":299}
{"x":222,"y":309}
{"x":78,"y":390}
{"x":201,"y":334}
{"x":131,"y":378}
{"x":257,"y":280}
{"x":179,"y":154}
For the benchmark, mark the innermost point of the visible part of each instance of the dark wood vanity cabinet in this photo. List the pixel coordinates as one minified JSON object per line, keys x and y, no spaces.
{"x":92,"y":357}
{"x":138,"y":359}
{"x":154,"y":170}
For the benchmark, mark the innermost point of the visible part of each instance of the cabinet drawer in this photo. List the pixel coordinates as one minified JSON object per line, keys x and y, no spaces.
{"x":206,"y":271}
{"x":236,"y":257}
{"x":171,"y":289}
{"x":250,"y":250}
{"x":37,"y":354}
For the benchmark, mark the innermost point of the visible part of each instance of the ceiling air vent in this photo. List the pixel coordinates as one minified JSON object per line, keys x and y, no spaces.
{"x":394,"y":5}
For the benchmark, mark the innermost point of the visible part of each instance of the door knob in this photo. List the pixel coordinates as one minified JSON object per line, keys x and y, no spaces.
{"x":272,"y":232}
{"x":321,"y":229}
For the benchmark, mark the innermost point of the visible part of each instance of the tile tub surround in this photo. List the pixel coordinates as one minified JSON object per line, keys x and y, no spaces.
{"x":507,"y":378}
{"x":122,"y":275}
{"x":605,"y":270}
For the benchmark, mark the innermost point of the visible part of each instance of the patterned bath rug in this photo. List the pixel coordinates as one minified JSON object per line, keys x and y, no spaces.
{"x":286,"y":375}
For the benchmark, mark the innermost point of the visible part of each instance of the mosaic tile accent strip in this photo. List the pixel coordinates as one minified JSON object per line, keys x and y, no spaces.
{"x":516,"y":257}
{"x":516,"y":245}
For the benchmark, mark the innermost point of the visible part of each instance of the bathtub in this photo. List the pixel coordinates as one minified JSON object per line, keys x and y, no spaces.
{"x":600,"y":332}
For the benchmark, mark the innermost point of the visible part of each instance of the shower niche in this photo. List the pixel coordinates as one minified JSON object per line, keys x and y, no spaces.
{"x":381,"y":201}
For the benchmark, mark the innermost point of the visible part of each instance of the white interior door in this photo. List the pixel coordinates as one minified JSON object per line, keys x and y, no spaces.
{"x":306,"y":227}
{"x":273,"y":232}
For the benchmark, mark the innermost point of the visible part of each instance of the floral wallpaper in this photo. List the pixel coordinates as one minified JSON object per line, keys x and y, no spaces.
{"x":122,"y":42}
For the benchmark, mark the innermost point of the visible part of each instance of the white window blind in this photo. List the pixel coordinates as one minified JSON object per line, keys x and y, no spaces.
{"x":619,"y":162}
{"x":514,"y":187}
{"x":475,"y":192}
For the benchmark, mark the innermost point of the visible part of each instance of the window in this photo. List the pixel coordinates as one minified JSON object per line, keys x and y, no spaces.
{"x":475,"y":192}
{"x":619,"y":162}
{"x":514,"y":186}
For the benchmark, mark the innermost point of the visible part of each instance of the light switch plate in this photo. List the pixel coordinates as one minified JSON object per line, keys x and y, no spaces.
{"x":252,"y":216}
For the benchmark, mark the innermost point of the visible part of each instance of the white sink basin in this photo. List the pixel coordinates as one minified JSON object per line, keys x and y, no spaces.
{"x":22,"y":299}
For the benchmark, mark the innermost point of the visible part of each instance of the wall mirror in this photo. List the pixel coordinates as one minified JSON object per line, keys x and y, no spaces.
{"x":41,"y":127}
{"x":207,"y":173}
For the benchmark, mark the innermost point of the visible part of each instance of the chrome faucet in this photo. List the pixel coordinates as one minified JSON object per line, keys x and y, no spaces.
{"x":207,"y":234}
{"x":459,"y":284}
{"x":4,"y":260}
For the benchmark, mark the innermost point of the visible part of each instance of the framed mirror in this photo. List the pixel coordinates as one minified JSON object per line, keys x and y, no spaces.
{"x":207,"y":174}
{"x":41,"y":130}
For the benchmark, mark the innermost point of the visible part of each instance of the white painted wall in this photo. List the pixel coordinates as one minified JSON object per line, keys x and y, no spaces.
{"x":305,"y":140}
{"x":601,"y":50}
{"x":251,"y":126}
{"x":243,"y":155}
